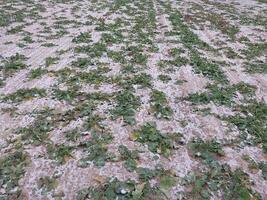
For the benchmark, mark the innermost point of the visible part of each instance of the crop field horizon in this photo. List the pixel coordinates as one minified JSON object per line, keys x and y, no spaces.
{"x":133,"y":100}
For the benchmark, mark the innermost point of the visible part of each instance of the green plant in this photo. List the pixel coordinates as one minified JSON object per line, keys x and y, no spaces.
{"x":61,"y":153}
{"x":50,"y":61}
{"x":251,"y":118}
{"x":127,"y":103}
{"x":159,"y":105}
{"x":207,"y":150}
{"x":96,"y":149}
{"x":263,"y":167}
{"x":222,"y":95}
{"x":47,"y":184}
{"x":82,"y":63}
{"x":25,"y":94}
{"x":255,"y":50}
{"x":220,"y":181}
{"x":156,"y":142}
{"x":130,"y":157}
{"x":72,"y":135}
{"x":112,"y":188}
{"x":83,"y":38}
{"x":164,"y":78}
{"x":256,"y":67}
{"x":14,"y":64}
{"x":12,"y":169}
{"x":37,"y":132}
{"x":36,"y":73}
{"x":142,"y":79}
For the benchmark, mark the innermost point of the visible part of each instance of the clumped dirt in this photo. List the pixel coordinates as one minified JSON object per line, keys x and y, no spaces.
{"x":181,"y":85}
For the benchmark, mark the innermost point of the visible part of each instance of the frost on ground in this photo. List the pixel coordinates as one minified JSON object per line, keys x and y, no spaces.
{"x":144,"y":99}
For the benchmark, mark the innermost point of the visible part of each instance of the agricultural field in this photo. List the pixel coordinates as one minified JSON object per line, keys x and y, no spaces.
{"x":133,"y":99}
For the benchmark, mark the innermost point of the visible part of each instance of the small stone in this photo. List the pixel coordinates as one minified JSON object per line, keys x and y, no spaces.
{"x":198,"y":154}
{"x":123,"y":191}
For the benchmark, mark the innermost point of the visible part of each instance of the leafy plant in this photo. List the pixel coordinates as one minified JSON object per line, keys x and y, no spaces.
{"x":47,"y":184}
{"x":220,"y":181}
{"x":164,"y":78}
{"x":156,"y":142}
{"x":142,"y":79}
{"x":13,"y":64}
{"x":263,"y":167}
{"x":130,"y":157}
{"x":115,"y":189}
{"x":259,"y":67}
{"x":207,"y":150}
{"x":82,"y":63}
{"x":252,"y":119}
{"x":12,"y":169}
{"x":72,"y":135}
{"x":50,"y":61}
{"x":83,"y":38}
{"x":25,"y":94}
{"x":61,"y":153}
{"x":37,"y":133}
{"x":222,"y":95}
{"x":127,"y":103}
{"x":36,"y":73}
{"x":159,"y":105}
{"x":96,"y":149}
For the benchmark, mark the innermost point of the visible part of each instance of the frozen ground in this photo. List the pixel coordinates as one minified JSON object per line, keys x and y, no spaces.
{"x":122,"y":99}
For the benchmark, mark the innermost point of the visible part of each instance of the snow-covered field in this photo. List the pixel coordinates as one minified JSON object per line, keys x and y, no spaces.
{"x":123,"y":99}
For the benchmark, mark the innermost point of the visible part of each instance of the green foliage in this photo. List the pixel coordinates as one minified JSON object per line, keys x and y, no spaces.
{"x":263,"y":167}
{"x":142,"y":79}
{"x":50,"y":61}
{"x":7,"y":18}
{"x":255,"y":50}
{"x":220,"y":180}
{"x":72,"y":135}
{"x":93,"y":122}
{"x":208,"y":69}
{"x":13,"y":64}
{"x":127,"y":103}
{"x":66,"y":95}
{"x":159,"y":105}
{"x":15,"y":29}
{"x":191,"y":41}
{"x":111,"y":39}
{"x":82,"y":63}
{"x":25,"y":94}
{"x":167,"y":182}
{"x":36,"y":73}
{"x":207,"y":150}
{"x":256,"y":68}
{"x":165,"y":178}
{"x":136,"y":54}
{"x":37,"y":133}
{"x":164,"y":78}
{"x":222,"y":95}
{"x":82,"y":38}
{"x":61,"y":153}
{"x":156,"y":142}
{"x":130,"y":157}
{"x":115,"y":189}
{"x":96,"y":149}
{"x":12,"y":169}
{"x":186,"y":35}
{"x":117,"y":56}
{"x":93,"y":77}
{"x":47,"y":184}
{"x":93,"y":51}
{"x":252,"y":119}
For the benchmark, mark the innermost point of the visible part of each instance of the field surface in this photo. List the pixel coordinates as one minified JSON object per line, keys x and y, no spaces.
{"x":133,"y":99}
